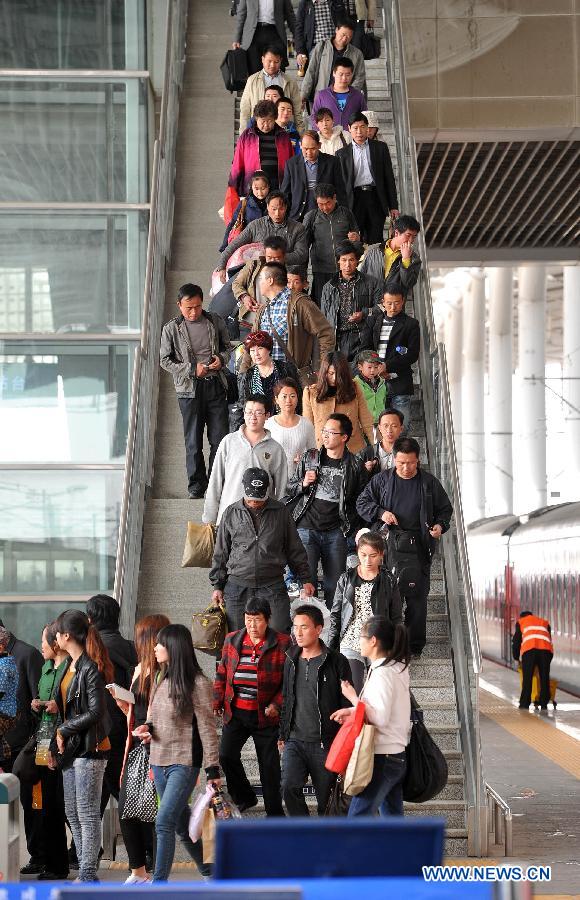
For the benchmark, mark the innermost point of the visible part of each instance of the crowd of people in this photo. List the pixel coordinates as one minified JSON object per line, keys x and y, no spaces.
{"x":304,"y":393}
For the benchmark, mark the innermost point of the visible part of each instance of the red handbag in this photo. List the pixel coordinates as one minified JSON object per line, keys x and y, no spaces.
{"x":343,"y":744}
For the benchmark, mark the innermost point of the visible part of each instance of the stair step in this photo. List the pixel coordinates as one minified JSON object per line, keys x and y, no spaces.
{"x":432,"y":690}
{"x":439,"y":713}
{"x":445,"y":736}
{"x":432,"y":668}
{"x":453,"y":811}
{"x":436,"y":646}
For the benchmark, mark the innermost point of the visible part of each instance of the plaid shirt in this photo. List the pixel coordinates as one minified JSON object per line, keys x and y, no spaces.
{"x":276,"y":314}
{"x":270,"y":675}
{"x":323,"y":21}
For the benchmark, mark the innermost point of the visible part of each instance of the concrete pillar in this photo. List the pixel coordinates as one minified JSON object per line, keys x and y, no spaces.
{"x":453,"y":352}
{"x":499,"y":472}
{"x":473,"y":454}
{"x":571,"y":373}
{"x":530,"y":450}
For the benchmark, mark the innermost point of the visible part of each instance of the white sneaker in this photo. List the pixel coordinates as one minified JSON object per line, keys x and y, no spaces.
{"x":136,"y":879}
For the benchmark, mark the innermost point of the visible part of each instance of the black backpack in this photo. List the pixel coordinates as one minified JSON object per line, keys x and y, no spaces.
{"x":234,"y":69}
{"x":404,"y":561}
{"x":427,"y":773}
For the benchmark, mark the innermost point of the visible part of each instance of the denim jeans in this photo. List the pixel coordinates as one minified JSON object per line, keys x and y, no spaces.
{"x":403,"y":405}
{"x":299,"y":760}
{"x":174,"y":785}
{"x":384,"y":793}
{"x":82,"y":785}
{"x":329,"y":548}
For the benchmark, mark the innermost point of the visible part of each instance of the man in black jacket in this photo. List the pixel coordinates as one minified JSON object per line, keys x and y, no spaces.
{"x":311,"y":692}
{"x":328,"y":227}
{"x":103,"y":612}
{"x":348,"y":299}
{"x":256,"y":540}
{"x":303,"y":173}
{"x":396,"y":338}
{"x":323,"y":491}
{"x":29,"y":664}
{"x":409,"y":500}
{"x":369,"y":180}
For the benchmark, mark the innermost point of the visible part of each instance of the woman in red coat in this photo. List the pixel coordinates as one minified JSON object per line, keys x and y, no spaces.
{"x":263,"y":146}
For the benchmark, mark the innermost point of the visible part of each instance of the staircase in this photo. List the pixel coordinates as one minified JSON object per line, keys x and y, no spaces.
{"x":444,"y":680}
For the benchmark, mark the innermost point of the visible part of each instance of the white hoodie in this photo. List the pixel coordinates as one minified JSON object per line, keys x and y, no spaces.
{"x":334,"y":143}
{"x":234,"y":455}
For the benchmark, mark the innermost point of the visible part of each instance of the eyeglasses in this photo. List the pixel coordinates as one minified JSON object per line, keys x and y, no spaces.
{"x":326,"y":433}
{"x":254,"y":415}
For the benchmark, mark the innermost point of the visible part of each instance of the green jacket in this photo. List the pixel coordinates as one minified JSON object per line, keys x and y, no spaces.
{"x":49,"y":684}
{"x":376,"y":400}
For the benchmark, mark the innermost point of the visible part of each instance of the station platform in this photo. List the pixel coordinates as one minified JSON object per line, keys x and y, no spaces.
{"x":533,"y":762}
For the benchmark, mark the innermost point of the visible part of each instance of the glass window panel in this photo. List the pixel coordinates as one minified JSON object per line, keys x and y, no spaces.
{"x":27,"y":620}
{"x":72,"y":34}
{"x":74,"y":396}
{"x":58,"y":530}
{"x":65,"y":271}
{"x":73,"y":141}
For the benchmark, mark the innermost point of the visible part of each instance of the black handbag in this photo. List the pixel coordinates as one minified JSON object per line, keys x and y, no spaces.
{"x":232,"y":390}
{"x":427,"y":772}
{"x":370,"y":45}
{"x":24,"y":766}
{"x":338,"y":802}
{"x":234,"y":69}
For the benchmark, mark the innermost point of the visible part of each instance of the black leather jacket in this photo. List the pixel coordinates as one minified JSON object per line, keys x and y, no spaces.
{"x":300,"y":497}
{"x":333,"y":669}
{"x":86,"y":722}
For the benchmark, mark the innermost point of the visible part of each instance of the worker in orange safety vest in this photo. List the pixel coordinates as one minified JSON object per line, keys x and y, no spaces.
{"x":532,"y":641}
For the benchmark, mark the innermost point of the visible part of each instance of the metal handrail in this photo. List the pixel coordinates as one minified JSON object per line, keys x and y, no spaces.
{"x":441,"y":451}
{"x":73,"y":74}
{"x":138,"y":468}
{"x":500,"y":820}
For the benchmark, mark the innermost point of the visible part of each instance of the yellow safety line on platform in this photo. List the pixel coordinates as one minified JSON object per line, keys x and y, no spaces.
{"x":556,"y":746}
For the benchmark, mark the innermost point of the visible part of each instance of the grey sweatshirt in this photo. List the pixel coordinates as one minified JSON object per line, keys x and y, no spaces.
{"x":235,"y":454}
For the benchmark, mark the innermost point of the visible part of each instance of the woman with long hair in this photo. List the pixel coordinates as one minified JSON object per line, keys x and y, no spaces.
{"x":137,"y":835}
{"x":387,"y":699}
{"x":365,"y":590}
{"x":82,"y":737}
{"x":251,"y":207}
{"x":294,"y":433}
{"x":337,"y":392}
{"x":181,"y":731}
{"x":44,"y":706}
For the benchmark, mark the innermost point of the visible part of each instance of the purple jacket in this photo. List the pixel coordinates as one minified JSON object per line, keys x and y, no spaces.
{"x":355,"y":102}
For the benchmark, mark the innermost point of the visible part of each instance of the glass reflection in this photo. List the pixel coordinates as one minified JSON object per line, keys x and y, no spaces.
{"x":58,"y":530}
{"x":73,"y":141}
{"x":64,"y":271}
{"x":64,"y":402}
{"x":72,"y":34}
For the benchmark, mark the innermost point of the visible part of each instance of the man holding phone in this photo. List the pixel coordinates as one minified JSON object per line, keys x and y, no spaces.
{"x":195,"y":349}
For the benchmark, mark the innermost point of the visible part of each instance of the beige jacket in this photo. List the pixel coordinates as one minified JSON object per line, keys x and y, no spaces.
{"x":171,"y":734}
{"x":254,"y":92}
{"x":357,"y":411}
